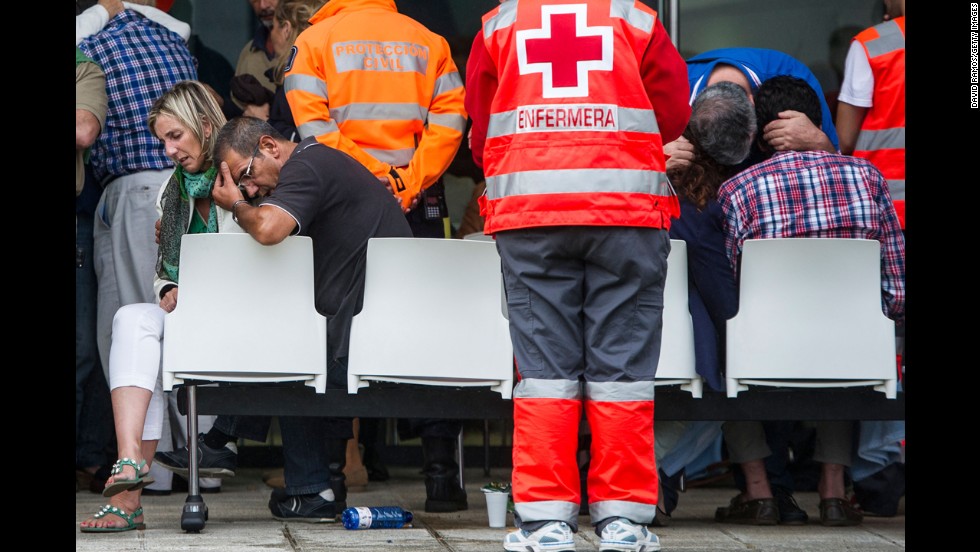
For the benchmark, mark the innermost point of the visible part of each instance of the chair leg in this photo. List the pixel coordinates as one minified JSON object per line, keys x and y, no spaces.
{"x":195,"y":512}
{"x":486,"y":448}
{"x":459,"y":458}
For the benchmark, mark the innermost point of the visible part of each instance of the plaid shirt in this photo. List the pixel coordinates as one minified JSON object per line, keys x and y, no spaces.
{"x":141,"y":60}
{"x":817,"y":195}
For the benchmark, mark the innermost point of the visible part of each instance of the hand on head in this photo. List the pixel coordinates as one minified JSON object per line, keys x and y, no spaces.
{"x":225,"y":192}
{"x":679,"y":153}
{"x":794,"y":131}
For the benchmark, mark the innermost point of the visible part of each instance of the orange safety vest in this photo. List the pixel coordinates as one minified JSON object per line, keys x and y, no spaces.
{"x":573,"y":138}
{"x":882,"y":136}
{"x":380,"y":87}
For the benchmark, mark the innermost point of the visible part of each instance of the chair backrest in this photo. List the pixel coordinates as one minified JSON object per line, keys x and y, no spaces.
{"x":478,"y":236}
{"x":245,"y":313}
{"x":810,"y":308}
{"x":432,"y":314}
{"x":677,"y":339}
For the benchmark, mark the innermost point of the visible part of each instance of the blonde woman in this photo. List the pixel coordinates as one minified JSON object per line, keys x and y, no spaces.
{"x":186,"y":119}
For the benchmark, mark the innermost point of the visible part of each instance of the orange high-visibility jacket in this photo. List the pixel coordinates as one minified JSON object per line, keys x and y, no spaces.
{"x":573,"y":135}
{"x":882,"y":136}
{"x":380,"y":87}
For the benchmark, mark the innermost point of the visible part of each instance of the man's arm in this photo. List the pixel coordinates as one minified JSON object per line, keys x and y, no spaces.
{"x":665,"y":79}
{"x":892,"y":247}
{"x":87,"y":128}
{"x":481,"y":86}
{"x":90,"y":22}
{"x":794,"y":131}
{"x":849,"y":121}
{"x":442,"y":134}
{"x":91,"y":104}
{"x":163,"y":18}
{"x":267,"y":226}
{"x":855,"y":98}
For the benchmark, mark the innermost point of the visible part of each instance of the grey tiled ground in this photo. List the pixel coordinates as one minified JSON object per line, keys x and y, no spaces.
{"x":239,"y":520}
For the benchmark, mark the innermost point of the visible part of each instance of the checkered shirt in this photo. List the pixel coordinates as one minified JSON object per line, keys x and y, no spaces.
{"x":817,"y":195}
{"x":141,"y":60}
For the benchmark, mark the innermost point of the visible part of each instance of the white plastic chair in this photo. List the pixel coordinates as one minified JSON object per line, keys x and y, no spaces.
{"x":478,"y":236}
{"x":432,"y":315}
{"x":677,"y":340}
{"x":245,"y":314}
{"x":810,"y":316}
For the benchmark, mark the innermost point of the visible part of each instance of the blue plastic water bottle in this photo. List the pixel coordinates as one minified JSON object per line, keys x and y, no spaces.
{"x":380,"y":517}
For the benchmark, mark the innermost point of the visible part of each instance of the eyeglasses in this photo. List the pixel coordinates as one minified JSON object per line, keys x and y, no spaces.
{"x":248,"y":169}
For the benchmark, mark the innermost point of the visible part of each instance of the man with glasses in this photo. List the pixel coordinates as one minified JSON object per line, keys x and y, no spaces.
{"x":309,"y":189}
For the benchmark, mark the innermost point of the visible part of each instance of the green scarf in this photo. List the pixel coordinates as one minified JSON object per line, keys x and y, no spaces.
{"x":175,"y":220}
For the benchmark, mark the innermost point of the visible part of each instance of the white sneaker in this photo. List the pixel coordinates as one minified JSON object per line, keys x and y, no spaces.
{"x":623,"y":535}
{"x":555,"y":537}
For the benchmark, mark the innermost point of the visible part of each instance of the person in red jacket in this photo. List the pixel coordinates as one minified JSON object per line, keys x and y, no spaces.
{"x":871,"y":108}
{"x":571,"y":105}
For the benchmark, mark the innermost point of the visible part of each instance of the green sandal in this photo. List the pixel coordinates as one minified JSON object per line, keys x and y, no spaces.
{"x":128,"y":518}
{"x":120,"y":485}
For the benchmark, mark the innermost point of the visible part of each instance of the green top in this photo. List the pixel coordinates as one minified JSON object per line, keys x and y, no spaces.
{"x":197,"y":225}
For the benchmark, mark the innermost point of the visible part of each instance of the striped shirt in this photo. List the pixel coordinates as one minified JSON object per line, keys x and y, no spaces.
{"x":141,"y":60}
{"x":816,"y":194}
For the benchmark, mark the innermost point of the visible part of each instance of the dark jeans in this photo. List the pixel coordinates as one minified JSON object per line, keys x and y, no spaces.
{"x":304,"y":438}
{"x":94,"y":431}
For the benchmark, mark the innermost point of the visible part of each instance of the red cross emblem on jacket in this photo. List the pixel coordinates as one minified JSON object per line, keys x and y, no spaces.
{"x":564,"y":50}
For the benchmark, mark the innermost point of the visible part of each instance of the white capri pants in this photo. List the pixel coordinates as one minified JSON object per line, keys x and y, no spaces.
{"x":134,"y":359}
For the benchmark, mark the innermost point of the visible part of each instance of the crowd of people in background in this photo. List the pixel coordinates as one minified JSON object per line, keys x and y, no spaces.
{"x":590,"y":136}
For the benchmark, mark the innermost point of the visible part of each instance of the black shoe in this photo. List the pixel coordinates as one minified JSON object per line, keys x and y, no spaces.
{"x":211,"y":462}
{"x":662,"y":519}
{"x":304,"y":508}
{"x":880,"y":494}
{"x":790,"y":512}
{"x":762,"y":511}
{"x":838,"y":512}
{"x":442,"y":490}
{"x":155,"y":492}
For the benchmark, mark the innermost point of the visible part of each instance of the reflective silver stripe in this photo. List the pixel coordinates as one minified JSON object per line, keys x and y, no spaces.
{"x":619,"y":391}
{"x":621,"y":508}
{"x":371,"y":55}
{"x":534,"y":388}
{"x":548,"y":509}
{"x":889,"y":138}
{"x":306,"y":83}
{"x":316,"y":128}
{"x":626,"y":9}
{"x":449,"y":120}
{"x":890,"y":38}
{"x":575,"y":181}
{"x":378,"y":112}
{"x":447,"y":82}
{"x":395,"y":158}
{"x":506,"y":16}
{"x":628,"y":119}
{"x":897,"y":189}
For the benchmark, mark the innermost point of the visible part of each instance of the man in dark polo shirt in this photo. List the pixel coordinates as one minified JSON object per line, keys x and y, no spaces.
{"x":309,"y":189}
